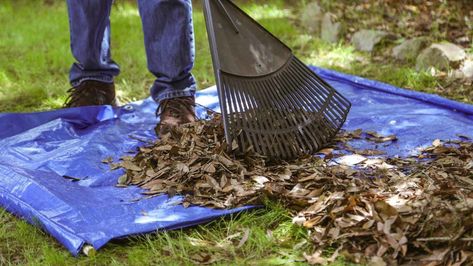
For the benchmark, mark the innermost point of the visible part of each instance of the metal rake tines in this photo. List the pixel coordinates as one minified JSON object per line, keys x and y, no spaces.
{"x":284,"y":114}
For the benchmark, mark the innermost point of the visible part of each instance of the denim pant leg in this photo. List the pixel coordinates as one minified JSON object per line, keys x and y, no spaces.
{"x":89,"y":22}
{"x":169,"y":43}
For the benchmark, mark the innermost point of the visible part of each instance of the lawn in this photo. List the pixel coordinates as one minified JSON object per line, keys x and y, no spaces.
{"x":34,"y":64}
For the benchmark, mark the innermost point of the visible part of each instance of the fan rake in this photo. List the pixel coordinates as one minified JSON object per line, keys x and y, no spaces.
{"x":271,"y":102}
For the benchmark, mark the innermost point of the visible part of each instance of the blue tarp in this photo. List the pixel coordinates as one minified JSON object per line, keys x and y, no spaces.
{"x":38,"y":149}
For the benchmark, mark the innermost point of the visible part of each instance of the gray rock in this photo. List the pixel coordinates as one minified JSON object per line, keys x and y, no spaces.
{"x":311,"y":17}
{"x":330,"y":30}
{"x":467,"y":69}
{"x":441,"y":56}
{"x":456,"y":74}
{"x":453,"y":52}
{"x":366,"y":40}
{"x":410,"y":49}
{"x":432,"y":57}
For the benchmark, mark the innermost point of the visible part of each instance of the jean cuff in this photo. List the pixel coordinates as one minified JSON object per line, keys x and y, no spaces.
{"x":188,"y":92}
{"x":104,"y":79}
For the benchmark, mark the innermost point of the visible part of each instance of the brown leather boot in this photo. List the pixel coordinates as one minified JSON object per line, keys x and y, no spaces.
{"x":91,"y":92}
{"x":175,"y":112}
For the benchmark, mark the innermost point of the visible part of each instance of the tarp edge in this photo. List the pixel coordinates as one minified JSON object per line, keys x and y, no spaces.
{"x":384,"y":87}
{"x":19,"y":208}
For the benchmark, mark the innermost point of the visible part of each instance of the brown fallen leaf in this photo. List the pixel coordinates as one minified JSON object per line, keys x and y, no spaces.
{"x":245,"y":237}
{"x":316,"y":258}
{"x":209,"y":168}
{"x":130,"y":166}
{"x":383,"y":209}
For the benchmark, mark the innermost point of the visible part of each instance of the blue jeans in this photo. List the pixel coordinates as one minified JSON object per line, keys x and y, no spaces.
{"x":168,"y":36}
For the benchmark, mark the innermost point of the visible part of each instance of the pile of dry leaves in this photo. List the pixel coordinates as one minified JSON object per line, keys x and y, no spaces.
{"x":384,"y":210}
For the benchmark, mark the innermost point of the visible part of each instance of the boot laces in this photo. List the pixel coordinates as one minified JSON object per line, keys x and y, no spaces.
{"x":174,"y":106}
{"x":77,"y":93}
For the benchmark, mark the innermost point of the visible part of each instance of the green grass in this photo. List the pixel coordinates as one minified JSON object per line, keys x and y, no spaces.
{"x":22,"y":243}
{"x":273,"y":240}
{"x":34,"y":64}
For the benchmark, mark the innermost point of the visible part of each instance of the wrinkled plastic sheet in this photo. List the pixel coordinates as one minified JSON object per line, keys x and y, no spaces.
{"x":38,"y":151}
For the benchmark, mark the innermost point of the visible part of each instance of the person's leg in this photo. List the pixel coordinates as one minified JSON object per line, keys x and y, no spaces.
{"x":169,"y":43}
{"x":89,"y":22}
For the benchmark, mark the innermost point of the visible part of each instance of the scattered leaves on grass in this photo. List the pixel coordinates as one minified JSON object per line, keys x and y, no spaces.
{"x":372,"y":209}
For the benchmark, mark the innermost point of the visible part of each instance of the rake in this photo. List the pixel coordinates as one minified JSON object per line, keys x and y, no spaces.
{"x":271,"y":102}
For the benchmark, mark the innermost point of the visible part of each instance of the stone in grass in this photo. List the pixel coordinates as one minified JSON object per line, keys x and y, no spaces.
{"x":311,"y":17}
{"x":441,"y":56}
{"x":330,"y":30}
{"x":366,"y":40}
{"x":410,"y":49}
{"x":467,"y":69}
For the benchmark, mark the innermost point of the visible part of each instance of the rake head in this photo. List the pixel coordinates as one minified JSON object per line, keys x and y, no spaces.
{"x":271,"y":102}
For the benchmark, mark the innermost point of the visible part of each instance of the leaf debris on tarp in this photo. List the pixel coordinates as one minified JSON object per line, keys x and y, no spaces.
{"x":372,"y":209}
